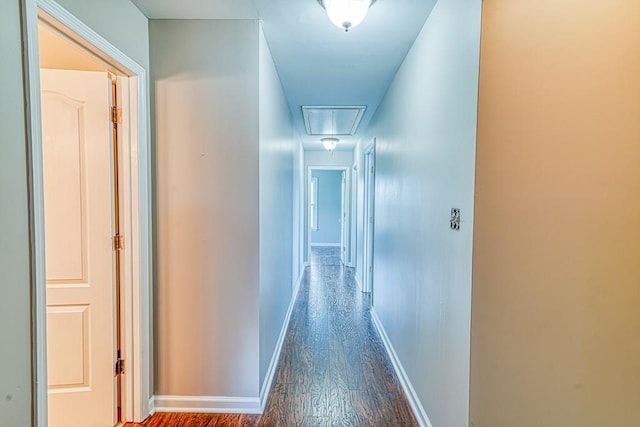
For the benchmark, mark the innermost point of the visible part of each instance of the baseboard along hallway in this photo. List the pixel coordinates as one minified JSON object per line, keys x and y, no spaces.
{"x":333,"y":369}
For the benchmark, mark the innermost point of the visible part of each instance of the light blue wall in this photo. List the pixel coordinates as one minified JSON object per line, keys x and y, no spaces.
{"x":329,"y":207}
{"x":276,"y":163}
{"x":425,"y":165}
{"x":118,"y":21}
{"x":15,"y":310}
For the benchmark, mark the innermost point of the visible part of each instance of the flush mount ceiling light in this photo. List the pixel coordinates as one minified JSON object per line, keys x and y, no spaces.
{"x":346,"y":14}
{"x":329,"y":143}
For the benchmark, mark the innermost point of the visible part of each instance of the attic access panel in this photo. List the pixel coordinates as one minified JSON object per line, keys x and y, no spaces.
{"x":332,"y":120}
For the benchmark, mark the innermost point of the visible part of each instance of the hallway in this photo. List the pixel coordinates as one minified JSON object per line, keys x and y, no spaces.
{"x":333,"y":370}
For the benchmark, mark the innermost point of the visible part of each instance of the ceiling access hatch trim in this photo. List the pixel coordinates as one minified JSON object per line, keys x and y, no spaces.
{"x":332,"y":120}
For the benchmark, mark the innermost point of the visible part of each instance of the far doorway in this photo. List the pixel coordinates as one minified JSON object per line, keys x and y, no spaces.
{"x":328,"y":210}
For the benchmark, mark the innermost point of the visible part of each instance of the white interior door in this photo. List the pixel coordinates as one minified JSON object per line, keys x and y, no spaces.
{"x":344,"y":230}
{"x":79,"y":255}
{"x":369,"y":174}
{"x":353,"y":217}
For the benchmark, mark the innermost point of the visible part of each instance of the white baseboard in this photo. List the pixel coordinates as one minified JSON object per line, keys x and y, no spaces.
{"x":207,"y":404}
{"x":268,"y":380}
{"x":222,"y":404}
{"x":152,"y":405}
{"x":416,"y":406}
{"x":329,"y":245}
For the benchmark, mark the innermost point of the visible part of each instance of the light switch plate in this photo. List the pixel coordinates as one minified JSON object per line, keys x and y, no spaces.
{"x":454,"y":221}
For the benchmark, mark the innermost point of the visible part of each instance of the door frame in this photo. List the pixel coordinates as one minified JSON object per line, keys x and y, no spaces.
{"x":136,"y":197}
{"x":369,"y":163}
{"x":344,"y":200}
{"x":345,"y":224}
{"x":353,"y":253}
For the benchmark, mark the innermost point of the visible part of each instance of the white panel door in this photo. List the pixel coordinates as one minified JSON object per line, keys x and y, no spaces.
{"x":369,"y":218}
{"x":79,"y":255}
{"x":344,"y":230}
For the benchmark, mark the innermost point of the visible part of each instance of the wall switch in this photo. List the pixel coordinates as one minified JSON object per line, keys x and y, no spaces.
{"x":454,"y":221}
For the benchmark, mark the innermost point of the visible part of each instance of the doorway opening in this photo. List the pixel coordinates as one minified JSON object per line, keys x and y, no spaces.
{"x":328,"y":210}
{"x":369,"y":218}
{"x":90,"y":188}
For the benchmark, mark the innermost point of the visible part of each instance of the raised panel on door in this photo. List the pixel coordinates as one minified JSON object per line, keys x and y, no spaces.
{"x":64,"y":171}
{"x":68,"y":348}
{"x":79,"y":256}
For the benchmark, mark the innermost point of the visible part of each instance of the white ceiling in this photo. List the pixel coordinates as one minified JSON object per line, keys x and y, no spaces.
{"x":318,"y":63}
{"x":198,"y":9}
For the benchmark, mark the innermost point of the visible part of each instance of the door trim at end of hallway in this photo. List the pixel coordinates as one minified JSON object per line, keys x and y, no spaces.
{"x":305,"y":203}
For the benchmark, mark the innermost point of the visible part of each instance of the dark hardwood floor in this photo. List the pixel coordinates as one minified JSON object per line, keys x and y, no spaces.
{"x":333,"y":370}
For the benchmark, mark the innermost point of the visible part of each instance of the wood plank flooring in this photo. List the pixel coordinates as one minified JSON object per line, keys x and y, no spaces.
{"x":333,"y":370}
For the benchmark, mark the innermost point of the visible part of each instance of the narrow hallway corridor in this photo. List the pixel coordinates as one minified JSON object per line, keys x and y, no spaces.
{"x":333,"y":369}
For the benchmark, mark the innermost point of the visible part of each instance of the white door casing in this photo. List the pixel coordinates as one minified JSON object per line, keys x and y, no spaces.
{"x":344,"y":231}
{"x":369,"y":218}
{"x":136,"y":196}
{"x":79,"y":256}
{"x":345,"y":218}
{"x":353,"y":216}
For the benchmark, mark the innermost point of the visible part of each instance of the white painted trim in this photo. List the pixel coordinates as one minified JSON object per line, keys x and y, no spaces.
{"x":314,"y":181}
{"x":36,"y":205}
{"x":271,"y":371}
{"x":137,"y":319}
{"x":305,"y":205}
{"x":414,"y":401}
{"x":368,"y":215}
{"x":353,"y":212}
{"x":152,"y":405}
{"x":330,"y":245}
{"x":207,"y":404}
{"x":305,"y":114}
{"x":370,"y":146}
{"x":301,"y":202}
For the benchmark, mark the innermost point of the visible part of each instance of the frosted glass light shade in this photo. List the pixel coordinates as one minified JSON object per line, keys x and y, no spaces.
{"x":329,"y":143}
{"x":346,"y":14}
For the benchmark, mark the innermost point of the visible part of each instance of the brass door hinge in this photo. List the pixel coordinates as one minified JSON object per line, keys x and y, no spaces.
{"x":116,"y":114}
{"x":119,"y":367}
{"x":118,"y":242}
